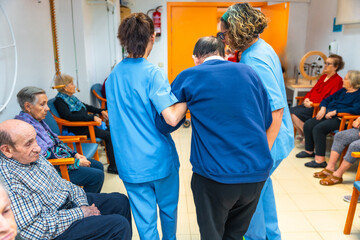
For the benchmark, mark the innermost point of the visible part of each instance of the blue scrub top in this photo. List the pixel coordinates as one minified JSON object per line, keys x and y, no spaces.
{"x":135,"y":91}
{"x":263,"y":59}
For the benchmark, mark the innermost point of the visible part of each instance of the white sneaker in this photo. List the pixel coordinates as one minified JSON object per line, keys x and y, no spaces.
{"x":347,"y":198}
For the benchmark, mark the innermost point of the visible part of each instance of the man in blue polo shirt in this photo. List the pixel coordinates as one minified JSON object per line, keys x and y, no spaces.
{"x":230,"y":113}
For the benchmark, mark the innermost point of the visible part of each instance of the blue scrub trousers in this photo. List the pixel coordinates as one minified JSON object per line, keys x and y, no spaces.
{"x":264,"y":223}
{"x":144,"y":198}
{"x":90,"y":178}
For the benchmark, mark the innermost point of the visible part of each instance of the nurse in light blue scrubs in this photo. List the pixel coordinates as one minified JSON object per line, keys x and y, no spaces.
{"x":146,"y":159}
{"x":241,"y":26}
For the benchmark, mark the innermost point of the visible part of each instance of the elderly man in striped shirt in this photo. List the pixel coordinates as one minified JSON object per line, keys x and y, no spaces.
{"x":45,"y":205}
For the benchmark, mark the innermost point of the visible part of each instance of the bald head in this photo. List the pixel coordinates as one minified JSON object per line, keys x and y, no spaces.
{"x":18,"y":141}
{"x":9,"y":129}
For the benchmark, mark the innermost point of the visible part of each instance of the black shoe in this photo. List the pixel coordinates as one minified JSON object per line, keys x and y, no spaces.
{"x":304,"y":154}
{"x":112,"y":170}
{"x":314,"y":164}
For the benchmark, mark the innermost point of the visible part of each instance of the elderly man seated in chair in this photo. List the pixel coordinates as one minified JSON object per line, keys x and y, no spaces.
{"x":45,"y":205}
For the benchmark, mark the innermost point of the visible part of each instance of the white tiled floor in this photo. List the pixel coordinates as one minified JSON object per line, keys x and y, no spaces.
{"x":306,"y":210}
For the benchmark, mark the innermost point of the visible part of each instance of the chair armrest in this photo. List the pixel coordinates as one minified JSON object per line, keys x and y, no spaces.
{"x":348,"y":116}
{"x":97,"y":96}
{"x":315,"y":104}
{"x":62,"y":161}
{"x":61,"y":122}
{"x":300,"y":100}
{"x":75,"y":124}
{"x":316,"y":107}
{"x":76,"y":138}
{"x":71,"y":140}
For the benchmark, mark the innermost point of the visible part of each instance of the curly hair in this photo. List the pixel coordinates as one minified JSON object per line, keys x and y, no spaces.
{"x":134,"y":33}
{"x":244,"y":23}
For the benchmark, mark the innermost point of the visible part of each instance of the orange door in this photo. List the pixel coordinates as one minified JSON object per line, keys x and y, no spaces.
{"x":276,"y":32}
{"x":188,"y":21}
{"x":188,"y":24}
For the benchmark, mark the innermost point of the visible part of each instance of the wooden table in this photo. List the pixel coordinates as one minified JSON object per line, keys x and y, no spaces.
{"x":303,"y":85}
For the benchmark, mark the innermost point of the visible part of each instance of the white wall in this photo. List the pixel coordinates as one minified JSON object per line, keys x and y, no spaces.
{"x":295,"y":48}
{"x":32,"y":28}
{"x":319,"y":34}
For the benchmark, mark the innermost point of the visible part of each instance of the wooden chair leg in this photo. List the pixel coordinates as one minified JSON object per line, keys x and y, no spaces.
{"x":294,"y":132}
{"x":351,"y":212}
{"x":64,"y":172}
{"x":96,"y":156}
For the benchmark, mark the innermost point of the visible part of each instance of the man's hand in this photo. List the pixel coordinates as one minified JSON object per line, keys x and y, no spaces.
{"x":89,"y":211}
{"x":97,"y":119}
{"x":330,"y":114}
{"x":83,"y":160}
{"x":105,"y":115}
{"x":321,"y":113}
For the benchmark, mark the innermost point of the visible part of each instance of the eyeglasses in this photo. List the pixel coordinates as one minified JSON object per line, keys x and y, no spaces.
{"x":328,"y":63}
{"x":221,"y":35}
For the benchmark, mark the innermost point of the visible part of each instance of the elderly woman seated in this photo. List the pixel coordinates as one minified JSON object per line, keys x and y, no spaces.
{"x":329,"y":83}
{"x":72,"y":109}
{"x":84,"y":172}
{"x":330,"y":175}
{"x":346,"y":100}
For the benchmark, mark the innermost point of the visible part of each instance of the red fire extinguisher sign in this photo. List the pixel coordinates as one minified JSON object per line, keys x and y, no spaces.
{"x":157,"y":21}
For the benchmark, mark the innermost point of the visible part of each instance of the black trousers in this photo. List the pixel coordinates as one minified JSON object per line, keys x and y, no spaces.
{"x":99,"y":133}
{"x":315,"y":132}
{"x":113,"y":223}
{"x":224,"y":211}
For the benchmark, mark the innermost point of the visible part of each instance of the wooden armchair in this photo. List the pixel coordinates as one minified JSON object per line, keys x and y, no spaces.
{"x":62,"y":122}
{"x":63,"y":163}
{"x":315,"y":105}
{"x":354,"y":198}
{"x":347,"y":120}
{"x":96,"y":90}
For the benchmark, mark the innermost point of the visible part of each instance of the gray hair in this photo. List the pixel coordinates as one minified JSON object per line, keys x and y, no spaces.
{"x":28,"y":94}
{"x":207,"y":46}
{"x":354,"y":77}
{"x":5,"y":138}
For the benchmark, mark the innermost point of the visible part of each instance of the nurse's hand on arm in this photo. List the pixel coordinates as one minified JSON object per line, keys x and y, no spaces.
{"x":175,"y":113}
{"x":274,"y":128}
